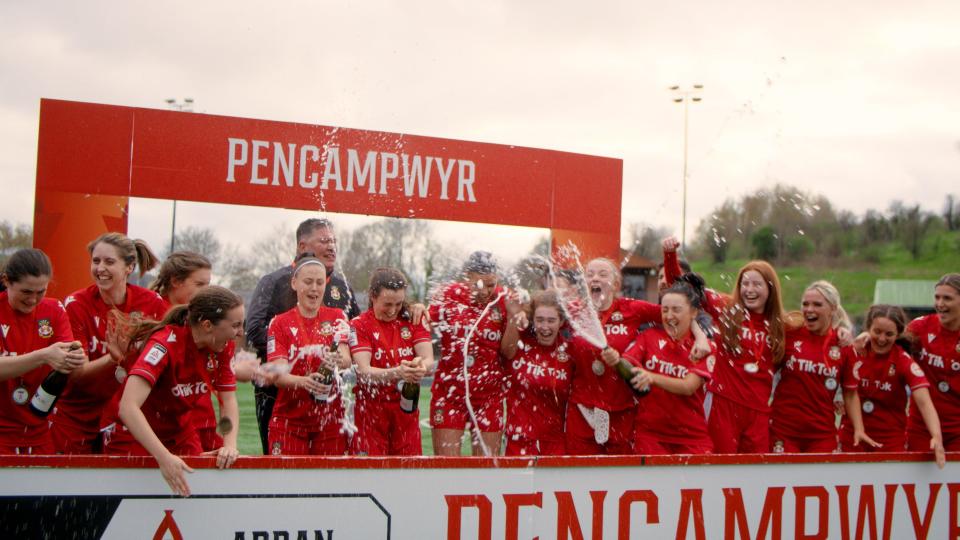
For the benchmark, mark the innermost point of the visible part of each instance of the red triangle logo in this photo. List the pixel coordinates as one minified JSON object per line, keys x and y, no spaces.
{"x":168,"y":525}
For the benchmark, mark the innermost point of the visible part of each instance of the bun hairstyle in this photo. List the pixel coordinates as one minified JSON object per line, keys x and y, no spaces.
{"x":950,"y":280}
{"x":894,"y":314}
{"x":211,"y":303}
{"x":27,"y":262}
{"x":481,"y":262}
{"x":306,"y":258}
{"x":178,"y":267}
{"x":131,"y":251}
{"x":691,"y":286}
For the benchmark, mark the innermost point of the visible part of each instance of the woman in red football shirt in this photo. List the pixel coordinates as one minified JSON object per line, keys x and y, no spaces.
{"x":540,"y":369}
{"x":881,"y":375}
{"x":308,"y":415}
{"x":181,"y":275}
{"x":602,"y":403}
{"x":670,"y":419}
{"x":184,"y":357}
{"x":389,"y":350}
{"x":36,"y":340}
{"x":804,"y":415}
{"x":470,"y":312}
{"x":76,"y":422}
{"x":936,"y":339}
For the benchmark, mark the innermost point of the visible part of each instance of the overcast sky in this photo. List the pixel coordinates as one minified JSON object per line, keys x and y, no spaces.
{"x":855,"y":100}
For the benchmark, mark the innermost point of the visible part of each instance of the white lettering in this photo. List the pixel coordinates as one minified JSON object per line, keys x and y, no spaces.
{"x":257,"y":162}
{"x":365,"y":174}
{"x":465,"y":182}
{"x":303,"y":165}
{"x":415,"y":176}
{"x":445,"y":173}
{"x":388,"y":169}
{"x":284,"y":162}
{"x":232,"y":161}
{"x":331,"y":168}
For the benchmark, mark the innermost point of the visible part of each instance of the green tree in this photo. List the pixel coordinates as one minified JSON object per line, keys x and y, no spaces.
{"x":765,"y":243}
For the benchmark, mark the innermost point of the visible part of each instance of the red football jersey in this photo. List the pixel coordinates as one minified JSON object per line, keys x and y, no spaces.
{"x":810,"y":377}
{"x":670,"y":417}
{"x":539,"y":386}
{"x":609,"y":391}
{"x":389,"y":343}
{"x":23,"y":333}
{"x":287,"y":336}
{"x":81,"y":405}
{"x":939,"y":357}
{"x":881,"y":382}
{"x":746,"y":376}
{"x":181,"y":375}
{"x":454,"y":312}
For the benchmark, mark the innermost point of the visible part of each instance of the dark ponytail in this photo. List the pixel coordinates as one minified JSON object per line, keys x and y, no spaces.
{"x":209,"y":304}
{"x":27,"y":262}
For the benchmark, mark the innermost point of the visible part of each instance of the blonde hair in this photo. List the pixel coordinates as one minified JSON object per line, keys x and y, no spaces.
{"x":830,"y":293}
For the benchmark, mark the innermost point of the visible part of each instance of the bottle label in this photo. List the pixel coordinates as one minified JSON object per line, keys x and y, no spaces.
{"x":43,"y":400}
{"x":406,"y":404}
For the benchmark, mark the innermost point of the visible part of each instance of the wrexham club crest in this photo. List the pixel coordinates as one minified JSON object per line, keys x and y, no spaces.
{"x":44,"y":328}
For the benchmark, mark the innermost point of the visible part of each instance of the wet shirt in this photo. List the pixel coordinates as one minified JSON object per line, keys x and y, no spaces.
{"x":670,"y":417}
{"x":454,"y":313}
{"x":810,"y":377}
{"x":745,"y":376}
{"x":388,"y":343}
{"x":939,"y":357}
{"x":181,"y":375}
{"x":90,"y":316}
{"x":608,"y":390}
{"x":288,"y":336}
{"x":881,"y":382}
{"x":24,"y":333}
{"x":539,"y":378}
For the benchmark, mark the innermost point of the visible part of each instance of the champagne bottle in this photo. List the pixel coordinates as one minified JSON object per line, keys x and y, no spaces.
{"x":49,"y":390}
{"x":625,"y":369}
{"x":324,"y":375}
{"x":409,"y":396}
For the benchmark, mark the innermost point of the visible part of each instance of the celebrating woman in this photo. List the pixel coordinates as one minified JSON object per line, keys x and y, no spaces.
{"x":603,"y":407}
{"x":75,"y":425}
{"x":881,"y":375}
{"x":181,"y":275}
{"x":308,"y":415}
{"x":937,"y":340}
{"x":670,"y":419}
{"x":804,"y":416}
{"x":540,"y":360}
{"x":184,"y":357}
{"x":36,"y":340}
{"x":391,"y":354}
{"x":470,"y":316}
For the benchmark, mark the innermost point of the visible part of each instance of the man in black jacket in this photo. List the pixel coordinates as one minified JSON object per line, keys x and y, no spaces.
{"x":274,"y":296}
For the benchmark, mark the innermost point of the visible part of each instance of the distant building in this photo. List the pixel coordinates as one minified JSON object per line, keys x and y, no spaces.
{"x":639,"y":277}
{"x":915,"y":296}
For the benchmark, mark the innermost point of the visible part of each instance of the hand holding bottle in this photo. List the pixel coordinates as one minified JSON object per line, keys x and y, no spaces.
{"x":412,"y":370}
{"x":65,"y":356}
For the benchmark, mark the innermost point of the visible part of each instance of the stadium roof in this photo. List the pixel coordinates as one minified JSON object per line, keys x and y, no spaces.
{"x":904,"y":292}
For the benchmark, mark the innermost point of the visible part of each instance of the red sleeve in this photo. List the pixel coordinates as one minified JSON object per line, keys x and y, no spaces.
{"x":61,"y":323}
{"x":715,"y":302}
{"x":421,"y":334}
{"x":911,"y":372}
{"x":359,"y":338}
{"x":849,"y":368}
{"x":671,"y":267}
{"x":644,"y":312}
{"x":153,"y":359}
{"x":702,"y":370}
{"x":278,"y":341}
{"x":79,"y":321}
{"x":226,"y":380}
{"x":636,"y":351}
